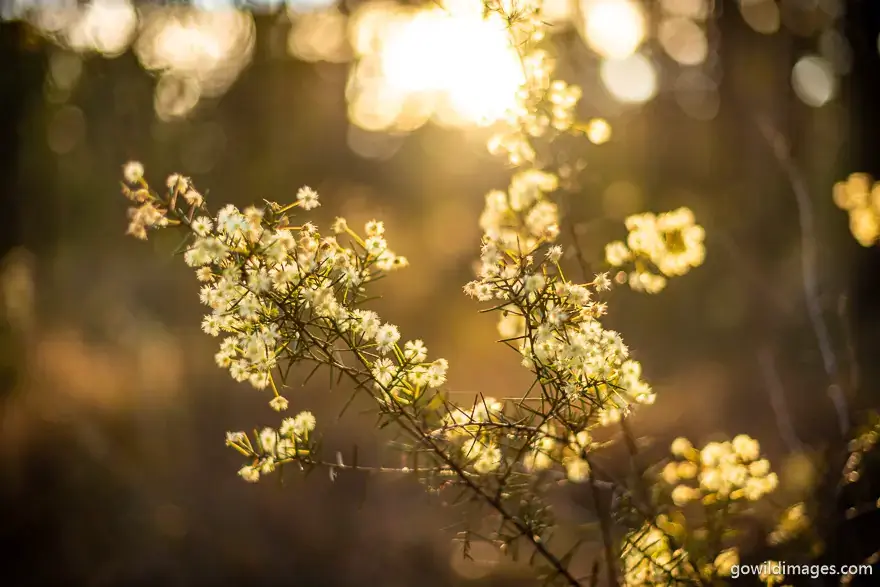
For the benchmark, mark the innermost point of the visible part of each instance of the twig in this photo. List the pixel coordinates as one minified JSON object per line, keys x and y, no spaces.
{"x":780,"y":150}
{"x":611,"y":558}
{"x":777,"y":401}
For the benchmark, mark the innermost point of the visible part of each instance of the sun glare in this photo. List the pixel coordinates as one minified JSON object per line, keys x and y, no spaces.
{"x":459,"y":67}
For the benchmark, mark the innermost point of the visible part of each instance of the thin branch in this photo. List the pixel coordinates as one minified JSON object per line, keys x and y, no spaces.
{"x":777,"y":401}
{"x":603,"y":512}
{"x":783,"y":156}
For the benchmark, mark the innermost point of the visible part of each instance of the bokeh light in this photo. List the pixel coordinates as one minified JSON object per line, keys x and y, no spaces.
{"x":613,"y":28}
{"x":761,"y":15}
{"x":697,"y":95}
{"x":598,"y":131}
{"x":195,"y":53}
{"x":448,"y":64}
{"x":814,"y":81}
{"x":102,"y":26}
{"x":320,"y":35}
{"x":684,"y":40}
{"x":695,"y":9}
{"x":558,"y":13}
{"x":632,"y":80}
{"x":834,"y":47}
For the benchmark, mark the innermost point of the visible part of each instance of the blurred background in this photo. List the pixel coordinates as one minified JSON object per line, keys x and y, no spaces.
{"x":113,"y":467}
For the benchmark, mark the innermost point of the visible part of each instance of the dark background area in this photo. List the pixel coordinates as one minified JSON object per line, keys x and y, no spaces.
{"x":112,"y":466}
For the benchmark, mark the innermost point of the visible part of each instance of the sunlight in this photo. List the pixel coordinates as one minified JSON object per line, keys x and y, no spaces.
{"x":452,"y":62}
{"x":613,"y":28}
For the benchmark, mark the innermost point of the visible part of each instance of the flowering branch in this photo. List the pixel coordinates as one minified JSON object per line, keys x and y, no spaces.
{"x":281,"y":294}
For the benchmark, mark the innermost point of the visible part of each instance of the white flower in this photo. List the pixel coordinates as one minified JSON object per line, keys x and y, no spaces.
{"x":375,"y":228}
{"x":202,"y":225}
{"x":386,"y":337}
{"x":436,"y":375}
{"x":339,"y":225}
{"x":383,"y":372}
{"x":415,"y":351}
{"x":234,"y":438}
{"x":554,"y":253}
{"x":375,"y":245}
{"x":193,"y":198}
{"x":249,"y":474}
{"x":307,"y":198}
{"x":177,"y":182}
{"x":268,"y":440}
{"x":534,"y":283}
{"x":278,"y":403}
{"x":303,"y":423}
{"x":133,"y":171}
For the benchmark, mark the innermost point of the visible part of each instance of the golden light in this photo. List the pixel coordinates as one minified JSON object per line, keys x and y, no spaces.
{"x":613,"y":28}
{"x":451,"y":65}
{"x":697,"y":95}
{"x":103,"y":26}
{"x":814,"y":81}
{"x":319,"y":35}
{"x":762,"y":15}
{"x":621,"y":199}
{"x":632,"y":80}
{"x":695,"y":9}
{"x":598,"y":131}
{"x":200,"y":52}
{"x":558,"y":12}
{"x":683,"y":40}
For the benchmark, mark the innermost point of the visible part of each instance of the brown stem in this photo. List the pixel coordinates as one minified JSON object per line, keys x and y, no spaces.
{"x":603,"y":513}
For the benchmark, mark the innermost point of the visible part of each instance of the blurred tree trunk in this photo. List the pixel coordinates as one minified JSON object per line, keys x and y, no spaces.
{"x":853,"y":541}
{"x":12,"y":107}
{"x":863,"y":27}
{"x":21,"y":76}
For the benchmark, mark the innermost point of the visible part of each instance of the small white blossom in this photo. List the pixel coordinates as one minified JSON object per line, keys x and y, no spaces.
{"x":307,"y":198}
{"x":133,"y":171}
{"x":278,"y":403}
{"x":249,"y":474}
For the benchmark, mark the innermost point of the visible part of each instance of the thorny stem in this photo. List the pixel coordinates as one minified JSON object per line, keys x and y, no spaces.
{"x":413,"y":428}
{"x":603,"y":513}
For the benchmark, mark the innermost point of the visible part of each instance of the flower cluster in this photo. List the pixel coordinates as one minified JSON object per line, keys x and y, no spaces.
{"x":545,"y":107}
{"x":280,"y":294}
{"x":722,"y":471}
{"x":722,"y":476}
{"x":522,"y":216}
{"x":475,"y":433}
{"x":273,"y":448}
{"x":652,"y":557}
{"x":562,"y":340}
{"x":792,"y":523}
{"x":671,"y":242}
{"x":649,"y":559}
{"x":860,"y":196}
